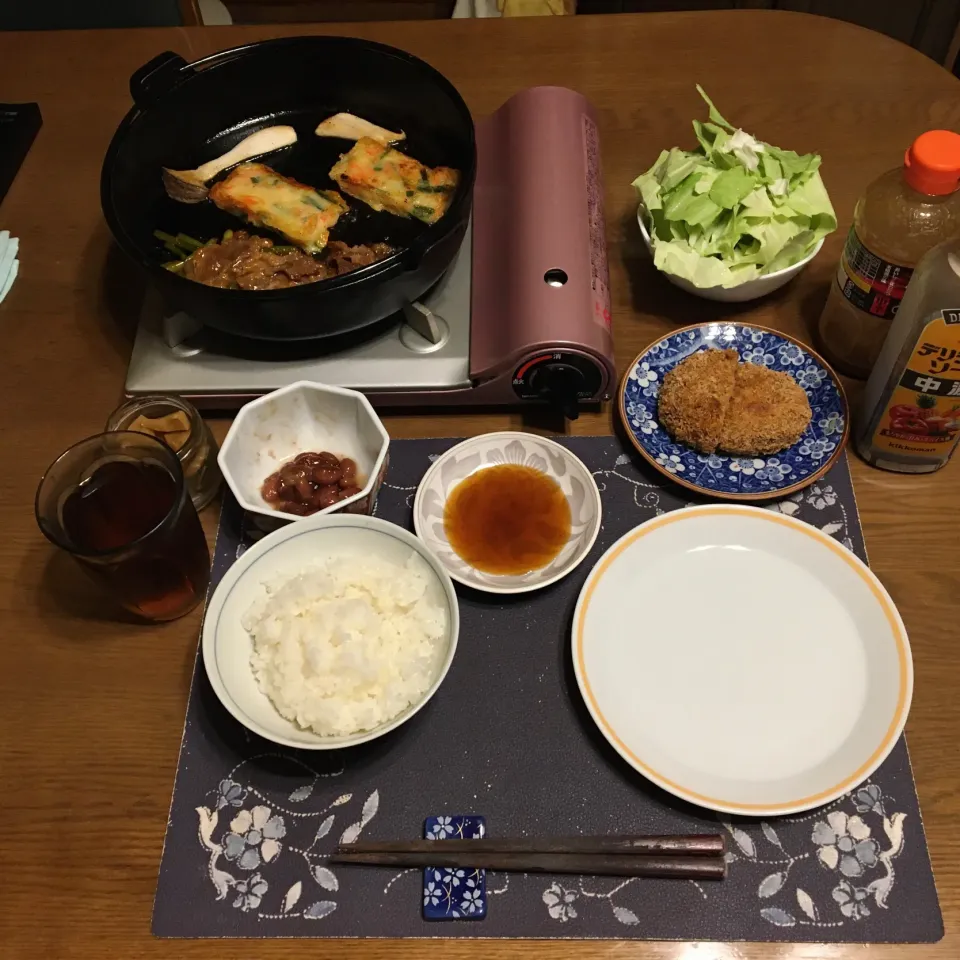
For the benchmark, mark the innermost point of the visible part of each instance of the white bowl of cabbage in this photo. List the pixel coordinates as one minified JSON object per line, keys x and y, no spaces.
{"x":735,"y":219}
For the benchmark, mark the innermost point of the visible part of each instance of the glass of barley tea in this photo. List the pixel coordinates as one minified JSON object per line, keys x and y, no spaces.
{"x":119,"y":505}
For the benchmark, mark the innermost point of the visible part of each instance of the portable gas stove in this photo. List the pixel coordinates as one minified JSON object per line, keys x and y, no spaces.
{"x":522,"y":315}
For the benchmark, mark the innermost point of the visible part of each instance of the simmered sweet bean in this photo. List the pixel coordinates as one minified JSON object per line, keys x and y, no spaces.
{"x":324,"y":474}
{"x":327,"y":496}
{"x":270,"y":491}
{"x":312,"y":482}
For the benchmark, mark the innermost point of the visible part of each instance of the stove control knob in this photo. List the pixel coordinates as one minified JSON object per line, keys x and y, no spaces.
{"x":560,"y":384}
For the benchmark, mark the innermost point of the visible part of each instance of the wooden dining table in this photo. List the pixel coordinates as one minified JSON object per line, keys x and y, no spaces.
{"x":92,"y":706}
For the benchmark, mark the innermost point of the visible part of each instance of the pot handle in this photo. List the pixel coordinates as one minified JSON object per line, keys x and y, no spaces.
{"x":412,"y":256}
{"x":155,"y":78}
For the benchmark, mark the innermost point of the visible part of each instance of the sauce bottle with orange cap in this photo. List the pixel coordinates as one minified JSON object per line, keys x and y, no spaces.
{"x":900,"y":216}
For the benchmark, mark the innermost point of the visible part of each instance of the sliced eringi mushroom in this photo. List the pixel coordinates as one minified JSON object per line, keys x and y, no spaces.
{"x":190,"y":186}
{"x":349,"y":127}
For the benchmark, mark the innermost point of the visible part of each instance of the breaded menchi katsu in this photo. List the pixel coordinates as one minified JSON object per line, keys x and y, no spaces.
{"x":386,"y":179}
{"x":265,"y":198}
{"x":694,"y":397}
{"x":768,"y":412}
{"x":711,"y":401}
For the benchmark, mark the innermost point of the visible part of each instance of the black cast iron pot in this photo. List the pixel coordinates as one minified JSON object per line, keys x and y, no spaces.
{"x":187,"y":113}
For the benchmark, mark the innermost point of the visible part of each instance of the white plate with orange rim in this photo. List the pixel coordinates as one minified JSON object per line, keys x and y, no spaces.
{"x":742,"y":660}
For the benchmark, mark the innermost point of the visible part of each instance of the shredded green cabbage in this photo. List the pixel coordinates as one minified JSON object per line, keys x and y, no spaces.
{"x":735,"y":208}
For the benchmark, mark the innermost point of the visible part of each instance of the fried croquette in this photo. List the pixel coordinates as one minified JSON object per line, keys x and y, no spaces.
{"x":711,"y":402}
{"x":768,"y":412}
{"x":694,"y":397}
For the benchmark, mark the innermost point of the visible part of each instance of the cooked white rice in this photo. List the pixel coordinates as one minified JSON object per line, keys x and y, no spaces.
{"x":347,"y":646}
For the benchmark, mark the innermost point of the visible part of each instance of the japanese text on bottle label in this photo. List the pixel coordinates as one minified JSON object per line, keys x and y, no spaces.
{"x":922,"y":415}
{"x":869,"y":282}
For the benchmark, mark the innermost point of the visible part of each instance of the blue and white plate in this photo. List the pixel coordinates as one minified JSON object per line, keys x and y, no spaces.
{"x":737,"y":478}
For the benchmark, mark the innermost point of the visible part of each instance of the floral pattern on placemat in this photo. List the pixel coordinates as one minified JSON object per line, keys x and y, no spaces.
{"x":243,"y":833}
{"x":252,"y":828}
{"x":859,"y":869}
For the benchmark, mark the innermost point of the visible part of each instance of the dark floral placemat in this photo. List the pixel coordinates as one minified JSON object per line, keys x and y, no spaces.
{"x":507,"y":738}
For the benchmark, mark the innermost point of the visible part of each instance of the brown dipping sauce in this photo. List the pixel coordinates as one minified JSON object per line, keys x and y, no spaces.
{"x":508,"y":519}
{"x":311,"y":482}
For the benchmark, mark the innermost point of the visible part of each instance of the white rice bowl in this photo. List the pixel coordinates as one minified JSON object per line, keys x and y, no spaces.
{"x":318,"y":563}
{"x":347,"y":646}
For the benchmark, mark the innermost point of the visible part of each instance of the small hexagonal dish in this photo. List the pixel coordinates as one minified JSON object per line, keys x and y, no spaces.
{"x":299,"y":418}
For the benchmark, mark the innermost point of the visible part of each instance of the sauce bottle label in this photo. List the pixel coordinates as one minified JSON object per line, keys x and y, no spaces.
{"x":869,"y":282}
{"x":922,"y":414}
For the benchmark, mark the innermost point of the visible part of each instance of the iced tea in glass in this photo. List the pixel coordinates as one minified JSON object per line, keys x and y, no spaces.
{"x":118,"y":503}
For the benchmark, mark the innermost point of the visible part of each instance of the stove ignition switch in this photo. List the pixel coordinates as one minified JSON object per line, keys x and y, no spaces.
{"x":560,"y":379}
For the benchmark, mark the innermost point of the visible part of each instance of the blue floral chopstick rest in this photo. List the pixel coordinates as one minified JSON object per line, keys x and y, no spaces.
{"x":451,"y":894}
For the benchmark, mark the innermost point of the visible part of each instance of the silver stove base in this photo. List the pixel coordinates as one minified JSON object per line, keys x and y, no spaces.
{"x":170,"y":354}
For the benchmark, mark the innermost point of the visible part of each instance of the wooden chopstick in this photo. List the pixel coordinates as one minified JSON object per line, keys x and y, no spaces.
{"x":694,"y":845}
{"x":598,"y":864}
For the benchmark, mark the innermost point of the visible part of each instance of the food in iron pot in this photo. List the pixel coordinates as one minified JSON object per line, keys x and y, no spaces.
{"x":386,"y":179}
{"x":190,"y":186}
{"x":241,"y":261}
{"x":348,"y":127}
{"x":265,"y":198}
